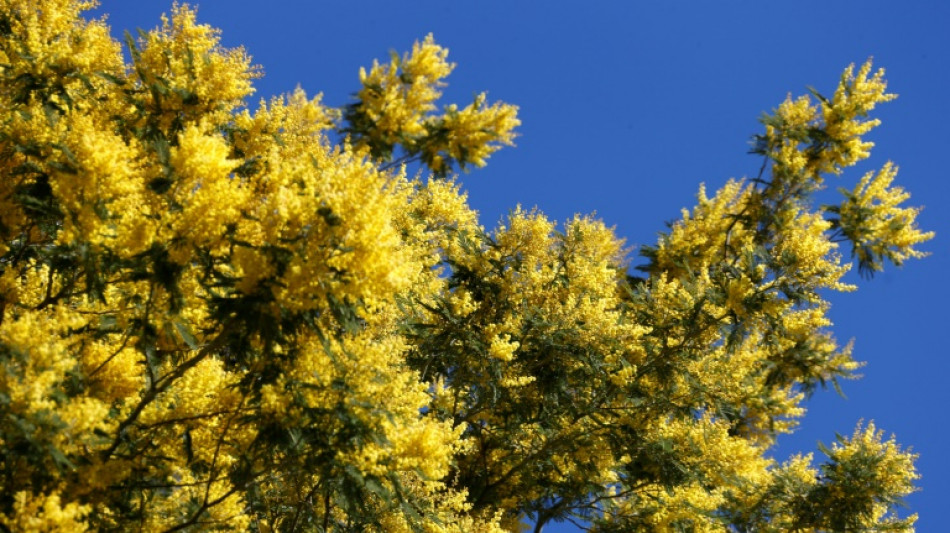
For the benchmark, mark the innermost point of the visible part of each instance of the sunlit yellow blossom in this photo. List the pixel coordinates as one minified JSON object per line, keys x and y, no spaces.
{"x":475,"y":132}
{"x":42,"y":513}
{"x":219,"y":318}
{"x":878,"y":228}
{"x":503,"y":348}
{"x":855,"y":97}
{"x":396,"y":96}
{"x":206,"y":80}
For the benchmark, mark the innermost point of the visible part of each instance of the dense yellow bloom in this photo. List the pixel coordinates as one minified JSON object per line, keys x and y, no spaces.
{"x":806,"y":140}
{"x":205,"y":79}
{"x":394,"y":108}
{"x":871,"y":217}
{"x":396,"y":96}
{"x":475,"y":132}
{"x":856,"y":96}
{"x":45,"y":513}
{"x":56,"y":41}
{"x":816,"y":262}
{"x":703,"y":236}
{"x":795,"y":116}
{"x":503,"y":348}
{"x":218,"y":318}
{"x":894,"y":468}
{"x":210,"y":201}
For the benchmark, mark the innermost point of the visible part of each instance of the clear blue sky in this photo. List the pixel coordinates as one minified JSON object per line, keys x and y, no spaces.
{"x":628,"y":106}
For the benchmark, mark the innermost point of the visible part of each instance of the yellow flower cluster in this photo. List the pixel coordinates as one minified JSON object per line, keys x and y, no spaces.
{"x":795,"y":118}
{"x":705,"y":445}
{"x":805,"y":140}
{"x":817,"y":264}
{"x":215,"y":318}
{"x":856,"y":96}
{"x":472,"y":134}
{"x":503,"y":348}
{"x":397,"y":96}
{"x":859,"y":470}
{"x":706,"y":235}
{"x":175,"y":205}
{"x":394,"y":108}
{"x":56,"y":41}
{"x":872,"y":218}
{"x":893,"y":472}
{"x":41,"y":513}
{"x":186,"y":69}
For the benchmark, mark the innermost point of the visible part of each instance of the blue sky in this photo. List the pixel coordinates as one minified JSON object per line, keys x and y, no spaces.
{"x":628,"y":106}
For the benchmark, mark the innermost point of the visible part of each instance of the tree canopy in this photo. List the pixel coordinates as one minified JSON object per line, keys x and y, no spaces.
{"x":216,"y":317}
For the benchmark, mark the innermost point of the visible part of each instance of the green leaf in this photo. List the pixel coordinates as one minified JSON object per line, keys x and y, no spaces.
{"x":186,"y":335}
{"x":62,"y":462}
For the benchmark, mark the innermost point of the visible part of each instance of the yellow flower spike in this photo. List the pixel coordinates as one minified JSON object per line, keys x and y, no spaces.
{"x":475,"y":132}
{"x":211,"y":81}
{"x":855,"y":97}
{"x":503,"y":348}
{"x":872,"y":218}
{"x":396,"y":96}
{"x":392,"y":115}
{"x":806,"y":140}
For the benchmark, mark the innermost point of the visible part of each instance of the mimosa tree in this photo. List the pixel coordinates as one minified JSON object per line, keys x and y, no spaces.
{"x":219,"y":317}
